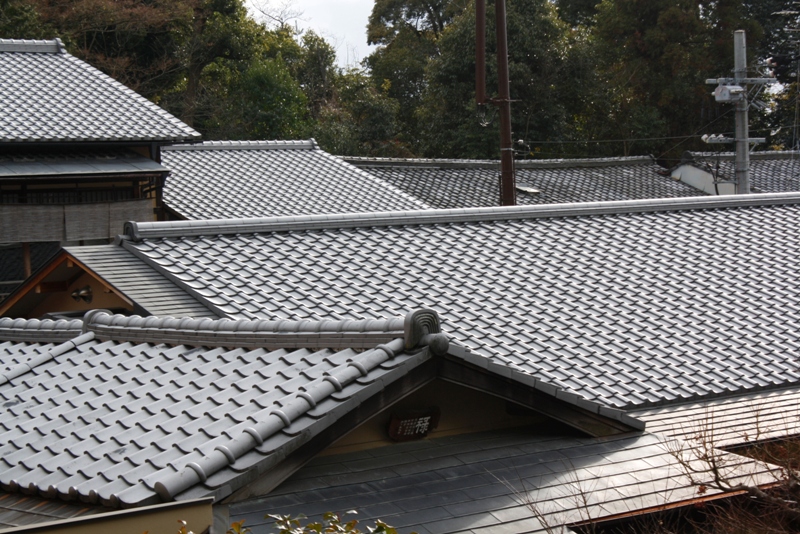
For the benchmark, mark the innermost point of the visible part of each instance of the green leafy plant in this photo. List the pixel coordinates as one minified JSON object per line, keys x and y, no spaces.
{"x":237,"y":527}
{"x":331,"y":522}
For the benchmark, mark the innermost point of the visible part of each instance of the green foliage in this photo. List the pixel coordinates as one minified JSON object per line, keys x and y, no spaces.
{"x":581,"y":71}
{"x":390,"y":17}
{"x":331,"y":523}
{"x":577,"y":12}
{"x":359,"y":120}
{"x":20,"y":20}
{"x":316,"y":71}
{"x":262,"y":101}
{"x":450,"y":123}
{"x":654,"y":57}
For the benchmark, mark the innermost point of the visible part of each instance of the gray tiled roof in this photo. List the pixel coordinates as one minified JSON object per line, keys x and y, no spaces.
{"x":466,"y":183}
{"x":770,"y":172}
{"x":147,"y":408}
{"x":224,"y":179}
{"x":487,"y":483}
{"x":49,"y":95}
{"x":25,"y":510}
{"x":48,"y":163}
{"x":730,"y":421}
{"x":628,"y":303}
{"x":153,"y":293}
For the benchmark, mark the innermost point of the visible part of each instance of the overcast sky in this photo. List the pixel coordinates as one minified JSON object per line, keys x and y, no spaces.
{"x":343,"y":23}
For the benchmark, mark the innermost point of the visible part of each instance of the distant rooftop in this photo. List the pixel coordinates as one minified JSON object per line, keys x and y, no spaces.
{"x":770,"y":172}
{"x":239,"y":179}
{"x":446,"y":184}
{"x":50,"y":96}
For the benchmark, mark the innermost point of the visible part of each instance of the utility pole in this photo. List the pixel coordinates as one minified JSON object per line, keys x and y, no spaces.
{"x":733,"y":90}
{"x":742,"y":127}
{"x":508,"y":194}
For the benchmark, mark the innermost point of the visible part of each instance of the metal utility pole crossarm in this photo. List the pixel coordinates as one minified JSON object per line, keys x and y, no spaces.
{"x":733,"y":90}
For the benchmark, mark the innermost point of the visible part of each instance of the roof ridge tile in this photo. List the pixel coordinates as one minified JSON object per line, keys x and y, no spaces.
{"x":362,"y":161}
{"x":39,"y":331}
{"x":244,"y":333}
{"x":246,"y":145}
{"x":139,"y":231}
{"x":33,"y":46}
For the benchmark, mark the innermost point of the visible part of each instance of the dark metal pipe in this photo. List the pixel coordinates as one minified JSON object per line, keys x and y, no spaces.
{"x":480,"y":52}
{"x":508,"y":195}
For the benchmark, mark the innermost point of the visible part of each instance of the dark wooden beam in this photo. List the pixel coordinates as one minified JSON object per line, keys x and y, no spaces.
{"x":465,"y":374}
{"x":52,"y":287}
{"x":26,"y":259}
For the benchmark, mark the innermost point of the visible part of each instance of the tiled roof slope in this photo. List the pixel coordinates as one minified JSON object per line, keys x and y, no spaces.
{"x":49,"y":95}
{"x":770,"y":172}
{"x":24,"y":510}
{"x":488,"y":483}
{"x":627,"y":303}
{"x":450,"y":184}
{"x":226,"y":180}
{"x":731,"y":421}
{"x":139,"y":409}
{"x":149,"y":289}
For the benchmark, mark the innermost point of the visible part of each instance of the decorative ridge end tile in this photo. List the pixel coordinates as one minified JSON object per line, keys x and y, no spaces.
{"x":139,"y":231}
{"x":418,"y":328}
{"x":168,"y":483}
{"x":39,"y":331}
{"x":246,"y":145}
{"x":32,"y":46}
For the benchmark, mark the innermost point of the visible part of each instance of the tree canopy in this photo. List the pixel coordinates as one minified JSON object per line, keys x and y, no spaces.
{"x":588,"y":77}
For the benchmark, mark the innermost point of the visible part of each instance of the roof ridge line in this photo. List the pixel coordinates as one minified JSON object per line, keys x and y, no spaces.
{"x":368,"y":162}
{"x":22,"y":368}
{"x":763,"y":155}
{"x":421,"y":327}
{"x":139,"y":231}
{"x":243,"y":333}
{"x":309,"y":144}
{"x":36,"y":330}
{"x":33,"y":46}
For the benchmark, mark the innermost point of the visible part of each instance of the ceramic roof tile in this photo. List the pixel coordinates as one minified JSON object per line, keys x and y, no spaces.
{"x":114,"y":421}
{"x":446,"y":184}
{"x":154,"y":293}
{"x":733,"y":421}
{"x":681,"y":304}
{"x":770,"y":172}
{"x":49,"y":96}
{"x":225,"y":180}
{"x":629,"y":472}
